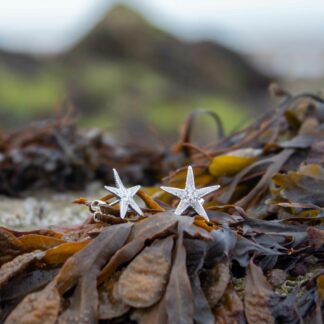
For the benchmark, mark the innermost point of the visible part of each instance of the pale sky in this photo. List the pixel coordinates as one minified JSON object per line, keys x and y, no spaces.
{"x":247,"y":25}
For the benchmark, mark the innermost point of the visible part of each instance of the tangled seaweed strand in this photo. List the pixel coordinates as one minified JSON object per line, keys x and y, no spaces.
{"x":56,"y":155}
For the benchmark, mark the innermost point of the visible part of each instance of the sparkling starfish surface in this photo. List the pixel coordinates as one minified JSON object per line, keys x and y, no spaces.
{"x":125,"y":196}
{"x":190,"y":196}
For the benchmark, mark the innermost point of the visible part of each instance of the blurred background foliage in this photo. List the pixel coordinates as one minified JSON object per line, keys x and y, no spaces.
{"x":130,"y":77}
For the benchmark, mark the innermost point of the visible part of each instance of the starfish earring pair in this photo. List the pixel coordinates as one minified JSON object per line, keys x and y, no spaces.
{"x":189,"y":196}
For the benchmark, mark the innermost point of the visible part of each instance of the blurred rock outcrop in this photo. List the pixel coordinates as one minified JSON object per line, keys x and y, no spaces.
{"x":123,"y":35}
{"x":127,"y":72}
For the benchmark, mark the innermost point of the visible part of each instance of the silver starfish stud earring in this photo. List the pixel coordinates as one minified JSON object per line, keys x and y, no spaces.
{"x":190,"y":196}
{"x":125,"y":196}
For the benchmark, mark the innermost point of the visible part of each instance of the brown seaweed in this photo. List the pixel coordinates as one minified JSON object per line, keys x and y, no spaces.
{"x":258,"y":260}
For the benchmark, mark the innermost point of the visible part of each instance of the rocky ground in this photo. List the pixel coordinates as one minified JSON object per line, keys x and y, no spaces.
{"x":46,"y":209}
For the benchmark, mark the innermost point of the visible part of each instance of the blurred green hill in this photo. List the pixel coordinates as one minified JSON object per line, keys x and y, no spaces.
{"x":128,"y":75}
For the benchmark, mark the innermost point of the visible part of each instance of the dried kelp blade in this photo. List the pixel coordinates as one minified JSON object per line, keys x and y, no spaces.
{"x":110,"y":305}
{"x":38,"y":307}
{"x":257,"y":295}
{"x":96,"y":252}
{"x":143,"y":282}
{"x":148,"y":229}
{"x":178,"y":295}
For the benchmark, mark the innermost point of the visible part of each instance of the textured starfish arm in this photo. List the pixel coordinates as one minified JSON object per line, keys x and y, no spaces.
{"x":197,"y":206}
{"x":205,"y":191}
{"x":190,"y":181}
{"x":114,"y":191}
{"x":118,"y":181}
{"x":181,"y":207}
{"x":174,"y":191}
{"x":133,"y":190}
{"x":135,"y":207}
{"x":123,"y":205}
